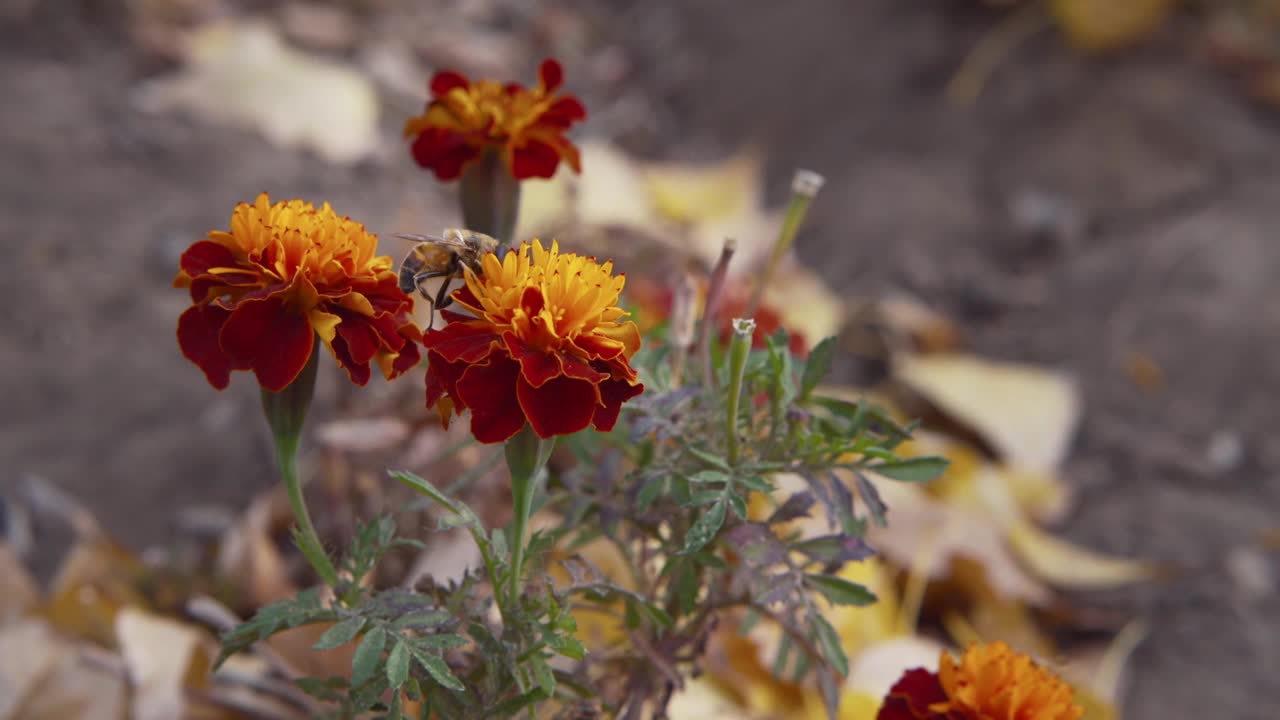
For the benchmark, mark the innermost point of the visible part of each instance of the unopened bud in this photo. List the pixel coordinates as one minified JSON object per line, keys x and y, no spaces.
{"x":807,"y":183}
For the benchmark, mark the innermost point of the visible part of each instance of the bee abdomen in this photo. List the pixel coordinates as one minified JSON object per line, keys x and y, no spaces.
{"x":408,"y":285}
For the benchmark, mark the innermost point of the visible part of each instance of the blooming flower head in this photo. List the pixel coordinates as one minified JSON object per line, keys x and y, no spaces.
{"x":283,"y":274}
{"x":991,"y":682}
{"x":527,"y":126}
{"x":548,"y":345}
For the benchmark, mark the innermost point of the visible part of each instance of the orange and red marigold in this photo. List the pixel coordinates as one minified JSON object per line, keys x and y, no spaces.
{"x":991,"y":682}
{"x":548,"y":345}
{"x":283,"y":274}
{"x":465,"y":119}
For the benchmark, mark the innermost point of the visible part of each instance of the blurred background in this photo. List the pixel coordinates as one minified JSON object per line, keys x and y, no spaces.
{"x":1090,"y":187}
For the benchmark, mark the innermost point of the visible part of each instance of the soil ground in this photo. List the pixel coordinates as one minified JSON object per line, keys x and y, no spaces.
{"x":1162,"y":189}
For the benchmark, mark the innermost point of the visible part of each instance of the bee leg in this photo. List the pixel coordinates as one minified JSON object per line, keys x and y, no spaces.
{"x":423,"y":277}
{"x":443,"y":299}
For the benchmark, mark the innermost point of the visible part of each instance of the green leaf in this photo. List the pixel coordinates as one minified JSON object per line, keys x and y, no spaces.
{"x":447,"y":641}
{"x":755,"y":482}
{"x":706,"y":527}
{"x":709,"y":458}
{"x":340,"y":634}
{"x":840,"y":591}
{"x":649,"y":492}
{"x":739,"y":505}
{"x":398,"y":664}
{"x":916,"y":469}
{"x":829,"y":640}
{"x":567,"y":646}
{"x":438,"y":669}
{"x":542,"y":674}
{"x":422,"y":486}
{"x":710,"y":476}
{"x":368,"y":654}
{"x":818,"y":366}
{"x":431,"y":618}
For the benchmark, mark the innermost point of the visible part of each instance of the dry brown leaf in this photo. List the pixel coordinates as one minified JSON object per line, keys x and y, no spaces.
{"x":163,"y":657}
{"x":18,"y":590}
{"x":363,"y":434}
{"x":1028,"y":414}
{"x":925,"y":535}
{"x":242,"y":74}
{"x":249,"y":557}
{"x":45,"y":676}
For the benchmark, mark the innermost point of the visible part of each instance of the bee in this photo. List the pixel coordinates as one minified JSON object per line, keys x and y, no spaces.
{"x":443,"y":257}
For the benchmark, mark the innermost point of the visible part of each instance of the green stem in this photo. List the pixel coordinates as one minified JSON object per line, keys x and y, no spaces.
{"x":739,"y":348}
{"x":490,"y":197}
{"x":286,"y":411}
{"x":804,"y":187}
{"x":527,"y":456}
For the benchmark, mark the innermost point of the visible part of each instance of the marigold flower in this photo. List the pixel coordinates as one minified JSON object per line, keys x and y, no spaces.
{"x":464,"y":119}
{"x":548,"y":344}
{"x":283,"y":274}
{"x":991,"y":682}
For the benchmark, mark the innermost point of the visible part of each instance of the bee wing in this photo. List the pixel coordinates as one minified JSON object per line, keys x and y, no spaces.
{"x":449,"y":241}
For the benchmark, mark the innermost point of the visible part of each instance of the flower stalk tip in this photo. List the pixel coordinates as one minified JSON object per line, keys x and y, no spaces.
{"x":804,"y":187}
{"x":739,"y":349}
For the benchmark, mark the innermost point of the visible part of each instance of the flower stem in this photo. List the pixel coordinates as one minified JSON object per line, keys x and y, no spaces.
{"x":739,"y":348}
{"x":804,"y":187}
{"x":286,"y":411}
{"x":527,"y":456}
{"x":490,"y":197}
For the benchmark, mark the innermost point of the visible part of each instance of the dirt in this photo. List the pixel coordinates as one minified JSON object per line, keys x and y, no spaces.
{"x":1155,"y":185}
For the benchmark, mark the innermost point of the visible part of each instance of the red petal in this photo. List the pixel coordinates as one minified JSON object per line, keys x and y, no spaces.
{"x":612,"y":394}
{"x":442,"y":377}
{"x":563,"y":112}
{"x":444,"y":152}
{"x":536,"y":367}
{"x":575,"y":368}
{"x":560,"y":407}
{"x":534,"y":159}
{"x":490,"y":392}
{"x":198,"y":330}
{"x":911,"y":696}
{"x":206,"y":254}
{"x":407,"y":359}
{"x":263,"y":335}
{"x":599,"y":348}
{"x":460,"y":341}
{"x":446,"y":80}
{"x":354,"y":346}
{"x":551,"y":74}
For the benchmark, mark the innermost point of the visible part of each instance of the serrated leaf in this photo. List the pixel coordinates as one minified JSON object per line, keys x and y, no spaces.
{"x":398,"y":664}
{"x":340,"y":634}
{"x":368,"y":654}
{"x":567,"y":646}
{"x":650,"y":492}
{"x":709,"y":476}
{"x":754,"y":482}
{"x":739,"y":505}
{"x":439,"y":670}
{"x":709,"y":458}
{"x":817,"y":367}
{"x":430,"y":491}
{"x":916,"y":469}
{"x":839,"y":591}
{"x":542,"y":674}
{"x":431,"y":618}
{"x":447,"y":641}
{"x":871,"y":498}
{"x":829,"y":641}
{"x":706,"y":527}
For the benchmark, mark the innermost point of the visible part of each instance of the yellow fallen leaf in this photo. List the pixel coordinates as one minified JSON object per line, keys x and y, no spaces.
{"x":96,"y":580}
{"x":690,"y":194}
{"x":46,"y":676}
{"x":1097,"y":25}
{"x":249,"y":557}
{"x":1069,"y":566}
{"x":1027,"y":414}
{"x":163,"y":657}
{"x":700,"y":699}
{"x":242,"y":74}
{"x":807,"y":305}
{"x":877,"y":667}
